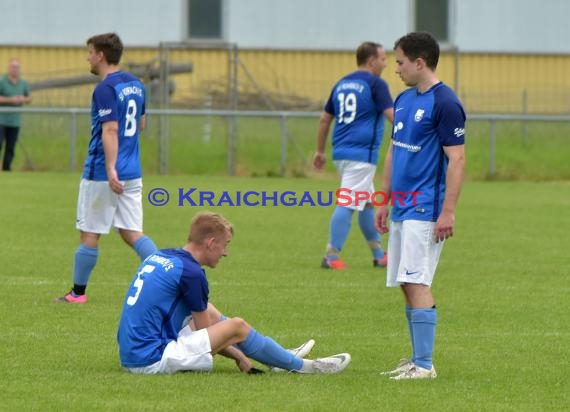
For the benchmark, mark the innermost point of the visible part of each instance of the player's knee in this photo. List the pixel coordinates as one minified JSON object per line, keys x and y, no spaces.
{"x":242,"y":328}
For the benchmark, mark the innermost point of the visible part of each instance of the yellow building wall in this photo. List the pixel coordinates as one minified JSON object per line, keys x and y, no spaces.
{"x":302,"y":80}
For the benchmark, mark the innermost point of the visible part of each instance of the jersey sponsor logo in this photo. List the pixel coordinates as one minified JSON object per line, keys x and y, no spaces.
{"x":409,"y":147}
{"x":459,"y":131}
{"x":419,"y":115}
{"x":105,"y":112}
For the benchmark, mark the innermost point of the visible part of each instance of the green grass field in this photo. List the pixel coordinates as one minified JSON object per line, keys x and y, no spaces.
{"x":501,"y":288}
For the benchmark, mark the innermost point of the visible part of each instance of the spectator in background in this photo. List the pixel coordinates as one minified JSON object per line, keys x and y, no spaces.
{"x":14,"y":92}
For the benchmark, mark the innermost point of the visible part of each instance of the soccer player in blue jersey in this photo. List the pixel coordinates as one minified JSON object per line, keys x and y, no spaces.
{"x":359,"y":104}
{"x":425,"y":160}
{"x":110,"y":191}
{"x":168,"y":325}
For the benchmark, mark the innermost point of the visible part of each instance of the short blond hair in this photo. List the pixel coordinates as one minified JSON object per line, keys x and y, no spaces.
{"x":208,"y":224}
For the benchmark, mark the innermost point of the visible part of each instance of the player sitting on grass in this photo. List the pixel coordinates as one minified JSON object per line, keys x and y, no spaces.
{"x":167,"y":324}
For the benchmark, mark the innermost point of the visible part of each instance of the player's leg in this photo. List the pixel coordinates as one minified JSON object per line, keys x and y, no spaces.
{"x":340,"y":224}
{"x":216,"y":316}
{"x":367,"y":227}
{"x":341,"y":221}
{"x":420,"y":257}
{"x":129,"y":219}
{"x":394,"y":263}
{"x":95,"y":209}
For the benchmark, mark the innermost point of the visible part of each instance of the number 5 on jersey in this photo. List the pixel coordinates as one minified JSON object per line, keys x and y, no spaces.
{"x":138,"y":284}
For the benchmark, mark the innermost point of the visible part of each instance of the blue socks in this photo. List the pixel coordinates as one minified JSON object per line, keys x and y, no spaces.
{"x":84,"y":262}
{"x":341,"y":222}
{"x":411,"y":330}
{"x":86,"y":258}
{"x":423,"y":322}
{"x":366,"y":222}
{"x":265,"y":350}
{"x":144,"y":247}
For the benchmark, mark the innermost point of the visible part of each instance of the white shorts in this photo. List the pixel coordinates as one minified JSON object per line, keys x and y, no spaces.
{"x":190,"y":352}
{"x":99,"y":208}
{"x":356,"y":177}
{"x":412,"y":253}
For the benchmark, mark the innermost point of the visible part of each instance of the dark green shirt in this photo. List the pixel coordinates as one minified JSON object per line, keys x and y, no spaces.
{"x":8,"y":89}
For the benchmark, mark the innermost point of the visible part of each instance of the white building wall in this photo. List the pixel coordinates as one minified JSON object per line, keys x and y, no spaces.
{"x":315,"y":24}
{"x":537,"y":26}
{"x":513,"y":25}
{"x":72,"y":22}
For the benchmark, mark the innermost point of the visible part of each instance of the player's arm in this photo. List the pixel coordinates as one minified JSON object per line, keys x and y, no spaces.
{"x":203,"y":320}
{"x":325,"y":121}
{"x":27,"y":97}
{"x":383,"y":211}
{"x":453,"y":183}
{"x":389,"y":113}
{"x":142,"y":124}
{"x":111,"y":148}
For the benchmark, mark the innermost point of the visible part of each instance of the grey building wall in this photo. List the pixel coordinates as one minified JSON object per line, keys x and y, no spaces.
{"x":475,"y":25}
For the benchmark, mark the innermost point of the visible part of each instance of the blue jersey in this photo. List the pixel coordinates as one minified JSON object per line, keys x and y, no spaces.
{"x":423,"y":124}
{"x":119,"y":97}
{"x":358,"y":102}
{"x":167,"y":288}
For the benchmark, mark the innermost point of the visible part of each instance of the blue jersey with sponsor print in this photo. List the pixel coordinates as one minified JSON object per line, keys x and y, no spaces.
{"x":358,"y":102}
{"x":119,"y":97}
{"x":423,"y":124}
{"x":168,"y":286}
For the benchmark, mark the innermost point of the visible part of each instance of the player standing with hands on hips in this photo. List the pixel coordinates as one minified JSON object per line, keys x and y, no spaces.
{"x":110,"y":191}
{"x":358,"y":103}
{"x":426,"y":155}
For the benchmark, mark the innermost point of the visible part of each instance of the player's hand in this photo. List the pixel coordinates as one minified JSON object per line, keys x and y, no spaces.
{"x":114,"y":183}
{"x":319,"y":161}
{"x":382,"y":219}
{"x":444,"y":226}
{"x":244,"y":364}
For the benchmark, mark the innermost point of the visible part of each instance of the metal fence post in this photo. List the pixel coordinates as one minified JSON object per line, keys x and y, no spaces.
{"x":233,"y":105}
{"x":72,"y":140}
{"x":164,"y":104}
{"x":284,"y":144}
{"x":492,"y":148}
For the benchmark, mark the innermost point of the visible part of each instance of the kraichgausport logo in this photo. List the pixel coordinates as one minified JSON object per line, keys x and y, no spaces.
{"x":193,"y":197}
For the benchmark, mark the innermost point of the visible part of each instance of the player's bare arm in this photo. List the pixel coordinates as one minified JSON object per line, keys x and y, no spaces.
{"x":319,"y":159}
{"x":383,"y":211}
{"x":389,"y":113}
{"x":111,"y":148}
{"x":454,"y":179}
